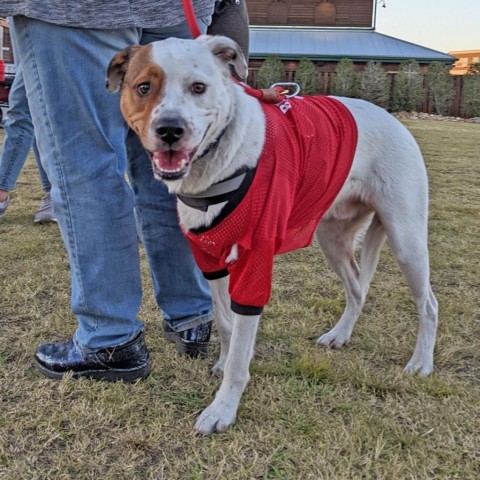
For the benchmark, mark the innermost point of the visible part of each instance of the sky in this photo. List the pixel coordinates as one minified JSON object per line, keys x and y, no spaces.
{"x":443,"y":25}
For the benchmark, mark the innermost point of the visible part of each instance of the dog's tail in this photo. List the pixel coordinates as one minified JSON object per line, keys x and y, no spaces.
{"x":370,"y":252}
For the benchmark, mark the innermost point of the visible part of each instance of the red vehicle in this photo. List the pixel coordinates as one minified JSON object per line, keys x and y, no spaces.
{"x":5,"y":84}
{"x":4,"y":89}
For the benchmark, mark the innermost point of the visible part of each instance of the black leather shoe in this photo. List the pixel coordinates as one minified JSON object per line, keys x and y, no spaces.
{"x":129,"y":362}
{"x":191,"y":342}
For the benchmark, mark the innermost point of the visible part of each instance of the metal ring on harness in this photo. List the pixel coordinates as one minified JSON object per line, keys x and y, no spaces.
{"x":288,"y":84}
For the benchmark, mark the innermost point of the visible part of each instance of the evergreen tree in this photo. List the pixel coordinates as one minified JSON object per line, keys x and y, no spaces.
{"x":374,"y":84}
{"x":471,"y":95}
{"x":345,"y":81}
{"x":271,"y":71}
{"x":408,"y":90}
{"x":306,"y":76}
{"x":440,"y":85}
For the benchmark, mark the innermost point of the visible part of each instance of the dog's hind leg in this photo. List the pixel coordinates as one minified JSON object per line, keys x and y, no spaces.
{"x":407,"y":236}
{"x":223,"y":319}
{"x":222,"y":411}
{"x":370,"y":253}
{"x":336,"y":238}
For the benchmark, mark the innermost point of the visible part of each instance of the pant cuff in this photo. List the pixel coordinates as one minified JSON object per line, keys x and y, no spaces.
{"x":180,"y":325}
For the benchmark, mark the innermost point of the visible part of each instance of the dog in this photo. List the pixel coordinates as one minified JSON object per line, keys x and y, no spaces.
{"x":207,"y":139}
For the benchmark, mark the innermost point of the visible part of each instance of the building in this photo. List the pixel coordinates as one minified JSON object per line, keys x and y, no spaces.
{"x":312,"y":13}
{"x":325,"y":31}
{"x":466,"y":58}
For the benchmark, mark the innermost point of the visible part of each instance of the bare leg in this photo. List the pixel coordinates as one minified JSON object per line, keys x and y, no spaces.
{"x":223,"y":319}
{"x":409,"y":244}
{"x":222,"y":411}
{"x":336,"y":238}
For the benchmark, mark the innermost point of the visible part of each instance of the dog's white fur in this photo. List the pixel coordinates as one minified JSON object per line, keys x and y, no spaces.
{"x":386,"y":193}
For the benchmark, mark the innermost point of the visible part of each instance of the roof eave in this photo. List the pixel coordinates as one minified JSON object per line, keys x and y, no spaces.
{"x":308,"y":27}
{"x":330,"y":58}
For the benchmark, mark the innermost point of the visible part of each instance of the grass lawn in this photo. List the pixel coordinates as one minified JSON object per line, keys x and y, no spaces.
{"x":308,"y":413}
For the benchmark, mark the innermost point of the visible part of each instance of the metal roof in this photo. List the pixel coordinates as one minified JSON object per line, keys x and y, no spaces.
{"x":332,"y":44}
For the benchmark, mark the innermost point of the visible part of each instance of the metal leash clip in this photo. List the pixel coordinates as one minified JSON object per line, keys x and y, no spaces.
{"x":288,"y":84}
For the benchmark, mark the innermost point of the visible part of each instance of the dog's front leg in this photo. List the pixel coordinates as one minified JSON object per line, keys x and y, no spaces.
{"x":222,"y":411}
{"x":223,"y":319}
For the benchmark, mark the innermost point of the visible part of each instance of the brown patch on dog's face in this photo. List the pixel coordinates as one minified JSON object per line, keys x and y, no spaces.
{"x":142,"y":90}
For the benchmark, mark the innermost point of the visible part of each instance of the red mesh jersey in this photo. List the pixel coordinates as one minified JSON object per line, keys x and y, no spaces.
{"x":309,"y":147}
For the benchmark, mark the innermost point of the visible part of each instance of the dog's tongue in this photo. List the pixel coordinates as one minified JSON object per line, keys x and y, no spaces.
{"x":171,"y":160}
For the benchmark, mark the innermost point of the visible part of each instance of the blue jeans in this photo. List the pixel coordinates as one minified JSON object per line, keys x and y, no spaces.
{"x":82,"y":141}
{"x":18,"y":138}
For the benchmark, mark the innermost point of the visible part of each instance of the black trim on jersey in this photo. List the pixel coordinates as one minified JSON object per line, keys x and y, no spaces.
{"x":215,"y":275}
{"x":245,"y":309}
{"x":224,"y":192}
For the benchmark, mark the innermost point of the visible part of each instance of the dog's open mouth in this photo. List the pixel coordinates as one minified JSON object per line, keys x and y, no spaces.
{"x":171,"y":164}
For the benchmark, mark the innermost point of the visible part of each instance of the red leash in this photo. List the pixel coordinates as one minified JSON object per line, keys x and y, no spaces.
{"x":270,"y":95}
{"x":191,"y":19}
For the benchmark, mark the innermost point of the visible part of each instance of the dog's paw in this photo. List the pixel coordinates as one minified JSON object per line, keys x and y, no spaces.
{"x":215,"y":419}
{"x":419,"y":366}
{"x":335,"y":338}
{"x":217,"y":369}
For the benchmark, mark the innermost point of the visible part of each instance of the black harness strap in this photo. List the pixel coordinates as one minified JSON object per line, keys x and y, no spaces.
{"x":217,"y":193}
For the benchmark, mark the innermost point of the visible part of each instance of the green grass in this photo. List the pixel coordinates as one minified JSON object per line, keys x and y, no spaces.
{"x":307,"y":413}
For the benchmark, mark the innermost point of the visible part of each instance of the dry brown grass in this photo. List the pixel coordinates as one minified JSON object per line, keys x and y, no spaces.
{"x":307,"y":413}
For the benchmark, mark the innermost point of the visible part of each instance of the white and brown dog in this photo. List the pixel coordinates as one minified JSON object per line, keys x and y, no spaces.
{"x":212,"y":144}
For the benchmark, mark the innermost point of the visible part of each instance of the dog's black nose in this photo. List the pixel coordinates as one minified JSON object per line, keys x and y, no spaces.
{"x":170,"y":130}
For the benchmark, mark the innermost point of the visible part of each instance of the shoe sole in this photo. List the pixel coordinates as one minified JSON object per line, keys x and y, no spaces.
{"x":113,"y":375}
{"x":45,"y":220}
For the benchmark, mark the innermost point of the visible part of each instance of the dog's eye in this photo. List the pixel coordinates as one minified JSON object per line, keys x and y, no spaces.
{"x":198,"y":87}
{"x":143,"y":89}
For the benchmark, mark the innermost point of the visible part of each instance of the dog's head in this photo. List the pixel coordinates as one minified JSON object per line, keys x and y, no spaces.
{"x":175,"y":97}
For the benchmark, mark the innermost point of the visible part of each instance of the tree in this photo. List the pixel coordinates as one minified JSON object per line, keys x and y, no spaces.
{"x":408,"y":91}
{"x":306,"y":76}
{"x":271,"y":71}
{"x":345,"y":81}
{"x":374,"y":84}
{"x":440,"y":86}
{"x":471,"y":95}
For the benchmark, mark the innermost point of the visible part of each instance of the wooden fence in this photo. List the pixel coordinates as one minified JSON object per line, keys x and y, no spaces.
{"x":455,"y":110}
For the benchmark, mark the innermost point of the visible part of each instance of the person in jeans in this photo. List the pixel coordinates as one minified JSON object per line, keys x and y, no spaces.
{"x":64,"y":51}
{"x":17,"y":143}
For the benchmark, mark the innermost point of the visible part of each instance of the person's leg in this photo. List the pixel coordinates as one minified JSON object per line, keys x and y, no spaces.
{"x":46,"y":185}
{"x":18,"y":140}
{"x":18,"y":137}
{"x":81,"y":137}
{"x":45,"y":212}
{"x":180,"y":289}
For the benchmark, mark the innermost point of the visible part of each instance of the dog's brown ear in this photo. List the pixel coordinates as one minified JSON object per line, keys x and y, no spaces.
{"x":228,"y":51}
{"x":118,"y":67}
